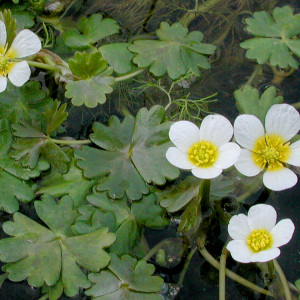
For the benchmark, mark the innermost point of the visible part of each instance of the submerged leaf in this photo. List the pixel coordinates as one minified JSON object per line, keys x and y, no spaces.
{"x":275,"y":40}
{"x":177,"y":52}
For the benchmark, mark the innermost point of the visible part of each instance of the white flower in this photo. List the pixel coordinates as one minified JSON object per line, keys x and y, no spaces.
{"x":25,"y":43}
{"x":206,"y":151}
{"x":270,"y":150}
{"x":256,"y":238}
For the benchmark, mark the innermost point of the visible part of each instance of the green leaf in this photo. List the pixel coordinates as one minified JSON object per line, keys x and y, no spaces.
{"x":44,"y":256}
{"x":10,"y":24}
{"x":127,"y":279}
{"x":23,"y":103}
{"x":25,"y":19}
{"x":248,"y":101}
{"x":177,"y":52}
{"x":32,"y":143}
{"x":118,"y":57}
{"x":55,"y":116}
{"x":72,"y":183}
{"x":275,"y":37}
{"x":90,"y":92}
{"x":54,"y":292}
{"x":86,"y":65}
{"x":12,"y":175}
{"x":127,"y":159}
{"x":178,"y":196}
{"x":89,"y":31}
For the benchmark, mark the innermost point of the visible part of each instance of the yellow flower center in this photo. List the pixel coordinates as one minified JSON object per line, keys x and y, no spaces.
{"x":5,"y":65}
{"x":203,"y":154}
{"x":259,"y":240}
{"x":271,"y":151}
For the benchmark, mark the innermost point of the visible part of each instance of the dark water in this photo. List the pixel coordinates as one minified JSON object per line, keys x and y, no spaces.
{"x":228,"y":73}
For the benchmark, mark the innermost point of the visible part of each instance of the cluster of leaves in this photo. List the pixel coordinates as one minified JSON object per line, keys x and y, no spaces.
{"x":275,"y":37}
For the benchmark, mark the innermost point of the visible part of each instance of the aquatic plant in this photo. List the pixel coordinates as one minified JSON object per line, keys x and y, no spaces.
{"x":95,"y":126}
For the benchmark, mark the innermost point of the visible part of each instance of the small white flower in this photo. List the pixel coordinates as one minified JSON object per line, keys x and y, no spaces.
{"x":270,"y":150}
{"x":206,"y":152}
{"x":256,"y":237}
{"x":25,"y":43}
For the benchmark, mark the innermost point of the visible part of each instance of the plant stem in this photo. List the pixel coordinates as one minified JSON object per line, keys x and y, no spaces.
{"x":191,"y":15}
{"x":204,"y":192}
{"x":296,"y":105}
{"x":222,"y":273}
{"x":284,"y":282}
{"x":45,"y":297}
{"x":43,"y":66}
{"x":229,"y":273}
{"x":70,"y":142}
{"x":154,"y":250}
{"x":256,"y":70}
{"x":185,"y":267}
{"x":130,"y":75}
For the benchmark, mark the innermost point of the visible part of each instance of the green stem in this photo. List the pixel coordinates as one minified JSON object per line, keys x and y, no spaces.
{"x":46,"y":296}
{"x":191,"y":15}
{"x":296,"y":105}
{"x":43,"y":66}
{"x":284,"y":282}
{"x":256,"y":70}
{"x":186,"y":264}
{"x":130,"y":75}
{"x":204,"y":192}
{"x":222,"y":274}
{"x":154,"y":250}
{"x":70,"y":142}
{"x":229,"y":273}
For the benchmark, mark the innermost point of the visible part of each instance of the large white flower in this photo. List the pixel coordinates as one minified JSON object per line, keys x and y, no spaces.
{"x":256,"y":237}
{"x":25,"y":43}
{"x":269,"y":150}
{"x":206,"y":151}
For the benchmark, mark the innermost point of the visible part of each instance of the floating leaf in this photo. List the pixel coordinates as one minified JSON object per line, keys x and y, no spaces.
{"x":179,"y":195}
{"x":89,"y":31}
{"x":127,"y":279}
{"x":118,"y":57}
{"x":248,"y":101}
{"x":25,"y":19}
{"x":177,"y":52}
{"x":44,"y":256}
{"x":275,"y":40}
{"x":92,"y":91}
{"x":86,"y":65}
{"x":129,"y":149}
{"x":23,"y":103}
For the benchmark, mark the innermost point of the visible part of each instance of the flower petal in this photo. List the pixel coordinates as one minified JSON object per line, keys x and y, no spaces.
{"x":216,"y":129}
{"x":239,"y":251}
{"x":184,"y":134}
{"x":283,"y":119}
{"x":280,"y":180}
{"x":228,"y":155}
{"x":206,"y":173}
{"x":238,"y":227}
{"x":262,"y":216}
{"x":265,"y":255}
{"x":3,"y":83}
{"x":178,"y":158}
{"x":282,"y":232}
{"x":245,"y":164}
{"x":294,"y":158}
{"x":19,"y":73}
{"x":247,"y":129}
{"x":25,"y":43}
{"x":3,"y":34}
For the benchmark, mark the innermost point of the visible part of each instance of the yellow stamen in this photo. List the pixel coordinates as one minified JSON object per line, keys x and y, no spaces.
{"x":271,"y":151}
{"x":259,"y":240}
{"x":203,"y":154}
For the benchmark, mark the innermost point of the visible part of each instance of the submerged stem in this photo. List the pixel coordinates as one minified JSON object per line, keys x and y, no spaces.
{"x":185,"y":267}
{"x":229,"y":273}
{"x":222,"y":274}
{"x":130,"y":75}
{"x":284,"y":282}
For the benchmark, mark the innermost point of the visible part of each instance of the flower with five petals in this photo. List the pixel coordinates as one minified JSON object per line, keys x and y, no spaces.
{"x":269,"y":149}
{"x":25,"y":43}
{"x":205,"y":151}
{"x":256,"y":237}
